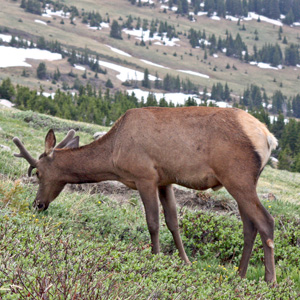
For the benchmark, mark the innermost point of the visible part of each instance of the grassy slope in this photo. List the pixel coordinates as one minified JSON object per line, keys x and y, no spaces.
{"x":92,"y":247}
{"x":79,"y":36}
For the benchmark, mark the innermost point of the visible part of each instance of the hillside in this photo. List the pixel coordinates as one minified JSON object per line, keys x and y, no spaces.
{"x":93,"y":243}
{"x":178,"y":58}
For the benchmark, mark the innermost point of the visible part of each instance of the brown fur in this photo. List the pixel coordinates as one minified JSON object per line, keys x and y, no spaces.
{"x":150,"y":149}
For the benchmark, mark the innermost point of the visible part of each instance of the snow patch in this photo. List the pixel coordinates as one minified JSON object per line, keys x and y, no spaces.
{"x":274,"y":119}
{"x":5,"y":38}
{"x":104,"y":25}
{"x":194,"y":73}
{"x":264,"y":65}
{"x":231,"y":18}
{"x":81,"y":68}
{"x":119,"y":51}
{"x":175,"y":98}
{"x":48,"y":13}
{"x":219,"y":103}
{"x":6,"y":103}
{"x":147,"y":1}
{"x":216,"y":18}
{"x":125,"y":73}
{"x":202,"y":13}
{"x":15,"y":57}
{"x":173,"y":8}
{"x":252,"y":15}
{"x":145,"y":36}
{"x":40,"y":22}
{"x":153,"y":64}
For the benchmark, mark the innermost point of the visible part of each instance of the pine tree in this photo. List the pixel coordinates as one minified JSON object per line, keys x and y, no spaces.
{"x":292,"y":57}
{"x":227,"y":93}
{"x":289,"y":18}
{"x":296,"y":10}
{"x":7,"y":90}
{"x":221,"y":11}
{"x":151,"y":100}
{"x":285,"y":159}
{"x":138,"y":23}
{"x":277,"y":102}
{"x":157,"y":82}
{"x":41,"y":71}
{"x":116,"y":31}
{"x":146,"y":82}
{"x":109,"y":84}
{"x":278,"y":126}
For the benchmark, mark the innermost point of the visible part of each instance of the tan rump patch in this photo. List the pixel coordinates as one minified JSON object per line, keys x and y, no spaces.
{"x":262,"y":139}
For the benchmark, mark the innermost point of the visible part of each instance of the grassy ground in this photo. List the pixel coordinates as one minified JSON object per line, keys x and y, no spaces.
{"x":80,"y":36}
{"x":87,"y":246}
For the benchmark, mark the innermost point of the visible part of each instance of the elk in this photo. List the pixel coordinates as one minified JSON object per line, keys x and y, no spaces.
{"x":149,"y":149}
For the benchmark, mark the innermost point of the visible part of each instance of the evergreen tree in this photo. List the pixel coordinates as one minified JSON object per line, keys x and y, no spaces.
{"x":296,"y":10}
{"x":227,"y":93}
{"x":146,"y":82}
{"x":278,"y":126}
{"x":277,"y":102}
{"x":116,"y":30}
{"x":138,"y":23}
{"x":157,"y":82}
{"x":289,"y":18}
{"x":33,"y":6}
{"x":41,"y":71}
{"x":285,"y":160}
{"x":190,"y":102}
{"x":145,"y":24}
{"x":185,"y":6}
{"x":109,"y":84}
{"x":221,"y":11}
{"x":296,"y":163}
{"x":7,"y":90}
{"x":163,"y":102}
{"x":151,"y":100}
{"x":296,"y":106}
{"x":292,"y":57}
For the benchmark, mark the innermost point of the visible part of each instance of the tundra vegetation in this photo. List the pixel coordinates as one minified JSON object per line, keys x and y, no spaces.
{"x":91,"y":246}
{"x":88,"y":245}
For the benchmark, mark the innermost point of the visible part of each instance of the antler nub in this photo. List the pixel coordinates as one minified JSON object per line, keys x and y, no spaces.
{"x":24,"y":153}
{"x":66,"y":140}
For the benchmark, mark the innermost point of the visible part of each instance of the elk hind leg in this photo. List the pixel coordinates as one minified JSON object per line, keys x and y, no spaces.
{"x":255,"y":216}
{"x":250,"y":233}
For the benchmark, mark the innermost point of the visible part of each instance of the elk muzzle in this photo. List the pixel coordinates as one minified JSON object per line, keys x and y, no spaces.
{"x":39,"y":206}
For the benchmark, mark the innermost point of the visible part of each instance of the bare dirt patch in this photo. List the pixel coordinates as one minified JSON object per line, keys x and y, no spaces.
{"x":184,"y":197}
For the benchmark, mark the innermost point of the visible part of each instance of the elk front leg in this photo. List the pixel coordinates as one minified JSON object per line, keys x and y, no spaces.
{"x":149,"y":195}
{"x":167,"y":199}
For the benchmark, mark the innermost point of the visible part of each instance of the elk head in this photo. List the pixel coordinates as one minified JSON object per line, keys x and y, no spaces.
{"x":50,"y":184}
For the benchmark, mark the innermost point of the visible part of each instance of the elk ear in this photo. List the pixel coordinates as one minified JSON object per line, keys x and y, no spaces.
{"x":74,"y":143}
{"x":50,"y":141}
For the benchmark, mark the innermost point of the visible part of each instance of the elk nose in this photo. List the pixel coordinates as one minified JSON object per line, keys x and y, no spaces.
{"x":40,"y":206}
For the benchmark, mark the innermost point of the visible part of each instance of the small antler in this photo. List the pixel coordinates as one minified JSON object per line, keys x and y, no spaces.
{"x":24,"y":153}
{"x":66,"y":140}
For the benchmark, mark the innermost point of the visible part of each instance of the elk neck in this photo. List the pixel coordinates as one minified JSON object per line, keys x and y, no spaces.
{"x":86,"y":164}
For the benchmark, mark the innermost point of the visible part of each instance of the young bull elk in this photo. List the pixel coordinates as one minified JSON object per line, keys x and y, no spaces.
{"x":149,"y":149}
